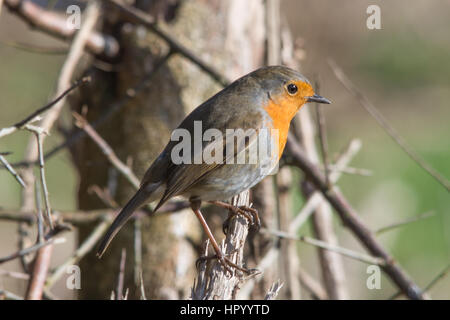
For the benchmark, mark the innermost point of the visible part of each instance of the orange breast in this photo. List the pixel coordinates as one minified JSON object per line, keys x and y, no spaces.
{"x":281,"y":113}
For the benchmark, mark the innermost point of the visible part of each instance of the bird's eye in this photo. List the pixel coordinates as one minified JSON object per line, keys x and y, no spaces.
{"x":292,"y":88}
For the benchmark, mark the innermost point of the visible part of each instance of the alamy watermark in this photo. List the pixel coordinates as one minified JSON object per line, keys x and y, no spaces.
{"x":74,"y":17}
{"x":73,"y":281}
{"x":374,"y":280}
{"x":374,"y":19}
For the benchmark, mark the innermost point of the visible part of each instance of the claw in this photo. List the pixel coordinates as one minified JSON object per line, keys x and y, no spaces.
{"x":225,"y":225}
{"x":255,"y":221}
{"x":226,"y":263}
{"x":250,"y":214}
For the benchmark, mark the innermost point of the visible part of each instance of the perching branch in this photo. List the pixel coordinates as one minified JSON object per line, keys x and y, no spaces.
{"x":216,"y":283}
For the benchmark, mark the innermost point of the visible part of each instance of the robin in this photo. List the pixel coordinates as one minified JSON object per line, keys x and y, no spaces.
{"x":262,"y":102}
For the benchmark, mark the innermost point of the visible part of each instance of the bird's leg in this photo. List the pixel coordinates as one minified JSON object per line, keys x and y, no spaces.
{"x":226,"y":263}
{"x":248,"y":212}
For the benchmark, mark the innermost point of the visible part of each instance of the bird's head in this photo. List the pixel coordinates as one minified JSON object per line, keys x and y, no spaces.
{"x":286,"y":88}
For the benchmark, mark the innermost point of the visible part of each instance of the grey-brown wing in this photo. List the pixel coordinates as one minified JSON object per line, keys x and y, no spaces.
{"x":182,"y":177}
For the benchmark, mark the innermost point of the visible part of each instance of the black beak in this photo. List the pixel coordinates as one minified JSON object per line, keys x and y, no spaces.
{"x":318,"y":99}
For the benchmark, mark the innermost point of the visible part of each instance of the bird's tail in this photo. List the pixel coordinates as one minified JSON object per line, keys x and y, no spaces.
{"x":141,"y":196}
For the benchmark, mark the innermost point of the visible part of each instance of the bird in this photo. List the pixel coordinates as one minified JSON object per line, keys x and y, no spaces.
{"x":261,"y":104}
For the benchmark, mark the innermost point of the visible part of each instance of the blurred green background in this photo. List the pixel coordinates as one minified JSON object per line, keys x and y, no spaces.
{"x":404,"y":69}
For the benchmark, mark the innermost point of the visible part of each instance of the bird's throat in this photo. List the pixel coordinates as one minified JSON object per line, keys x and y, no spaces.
{"x":281,"y":114}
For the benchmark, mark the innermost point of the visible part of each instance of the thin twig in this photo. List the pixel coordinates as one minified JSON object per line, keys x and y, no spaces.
{"x":107,"y":150}
{"x":83,"y":217}
{"x":423,"y":216}
{"x":438,"y":277}
{"x":322,"y":136}
{"x":9,"y":295}
{"x":22,"y":243}
{"x":15,"y":274}
{"x":289,"y":258}
{"x":382,"y":121}
{"x":104,"y":195}
{"x":325,"y":245}
{"x":274,"y":290}
{"x":39,"y":133}
{"x":427,"y":288}
{"x":84,"y":248}
{"x":312,"y":285}
{"x":39,"y":273}
{"x":34,"y":48}
{"x":349,"y":170}
{"x":12,"y":171}
{"x":121,"y":276}
{"x":35,"y":116}
{"x":31,"y":249}
{"x":141,"y":286}
{"x":40,"y":218}
{"x":137,"y":245}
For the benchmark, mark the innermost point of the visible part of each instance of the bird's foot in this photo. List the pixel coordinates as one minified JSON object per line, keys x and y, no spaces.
{"x":226,"y":263}
{"x":249,"y":213}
